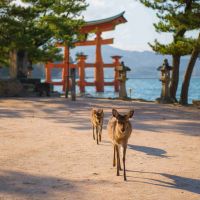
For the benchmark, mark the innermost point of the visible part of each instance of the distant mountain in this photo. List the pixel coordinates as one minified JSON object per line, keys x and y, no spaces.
{"x":143,"y":64}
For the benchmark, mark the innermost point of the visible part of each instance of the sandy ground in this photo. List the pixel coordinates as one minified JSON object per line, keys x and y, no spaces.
{"x":47,"y":152}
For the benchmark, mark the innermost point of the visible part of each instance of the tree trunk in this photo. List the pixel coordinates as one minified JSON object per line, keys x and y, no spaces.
{"x":18,"y":62}
{"x":188,"y":74}
{"x":13,"y":63}
{"x":22,"y":61}
{"x":175,"y":77}
{"x":176,"y":59}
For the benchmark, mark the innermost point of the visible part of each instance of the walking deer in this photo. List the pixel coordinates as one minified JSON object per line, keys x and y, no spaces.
{"x":119,"y":130}
{"x":97,"y":123}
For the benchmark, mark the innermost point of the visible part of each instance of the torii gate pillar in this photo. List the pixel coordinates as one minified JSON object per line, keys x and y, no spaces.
{"x":99,"y":73}
{"x":65,"y":72}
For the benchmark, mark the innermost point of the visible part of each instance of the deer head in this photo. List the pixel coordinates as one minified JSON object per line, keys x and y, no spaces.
{"x":122,"y":120}
{"x":98,"y":115}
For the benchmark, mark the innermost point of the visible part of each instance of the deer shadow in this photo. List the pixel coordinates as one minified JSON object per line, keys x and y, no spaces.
{"x":152,"y":151}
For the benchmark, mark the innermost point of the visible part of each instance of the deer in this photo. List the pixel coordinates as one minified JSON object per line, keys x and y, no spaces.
{"x":97,"y":123}
{"x":119,"y":130}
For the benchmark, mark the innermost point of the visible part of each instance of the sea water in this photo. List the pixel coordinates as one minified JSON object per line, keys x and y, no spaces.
{"x":141,"y":88}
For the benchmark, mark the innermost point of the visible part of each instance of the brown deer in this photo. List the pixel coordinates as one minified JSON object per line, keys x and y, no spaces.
{"x":97,"y":123}
{"x":119,"y":130}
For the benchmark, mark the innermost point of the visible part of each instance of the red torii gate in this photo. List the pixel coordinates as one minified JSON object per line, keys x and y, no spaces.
{"x":96,"y":27}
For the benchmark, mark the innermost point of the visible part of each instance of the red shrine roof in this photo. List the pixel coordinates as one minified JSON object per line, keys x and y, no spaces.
{"x":106,"y":24}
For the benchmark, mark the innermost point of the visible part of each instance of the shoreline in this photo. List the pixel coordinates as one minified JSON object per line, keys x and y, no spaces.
{"x":87,"y":96}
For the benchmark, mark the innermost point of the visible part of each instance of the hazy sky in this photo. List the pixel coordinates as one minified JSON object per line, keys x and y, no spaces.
{"x":133,"y":35}
{"x":137,"y":32}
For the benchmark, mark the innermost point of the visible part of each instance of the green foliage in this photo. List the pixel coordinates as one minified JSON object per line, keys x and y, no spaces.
{"x":183,"y":46}
{"x":176,"y":17}
{"x":3,"y":56}
{"x":36,"y":25}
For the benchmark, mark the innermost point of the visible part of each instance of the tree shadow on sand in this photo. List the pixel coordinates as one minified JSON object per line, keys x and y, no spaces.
{"x":176,"y":182}
{"x":22,"y":185}
{"x":172,"y":118}
{"x":147,"y":117}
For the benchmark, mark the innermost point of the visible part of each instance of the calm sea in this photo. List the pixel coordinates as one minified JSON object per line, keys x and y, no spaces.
{"x":143,"y":88}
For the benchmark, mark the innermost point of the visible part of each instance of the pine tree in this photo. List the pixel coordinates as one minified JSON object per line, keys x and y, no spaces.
{"x":171,"y":13}
{"x":29,"y":31}
{"x":192,"y":22}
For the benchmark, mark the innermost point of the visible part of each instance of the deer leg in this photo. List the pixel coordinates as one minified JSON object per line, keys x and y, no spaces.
{"x":120,"y":168}
{"x":100,"y":132}
{"x":118,"y":159}
{"x":93,"y":132}
{"x":114,"y":161}
{"x":124,"y":162}
{"x":97,"y":135}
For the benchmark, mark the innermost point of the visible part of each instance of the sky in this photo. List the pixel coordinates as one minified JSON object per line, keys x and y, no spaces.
{"x":133,"y":35}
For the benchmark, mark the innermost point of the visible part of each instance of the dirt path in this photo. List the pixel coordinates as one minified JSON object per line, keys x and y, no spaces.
{"x":47,"y":152}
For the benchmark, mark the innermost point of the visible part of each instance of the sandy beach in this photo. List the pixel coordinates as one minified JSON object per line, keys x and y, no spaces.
{"x":47,"y":151}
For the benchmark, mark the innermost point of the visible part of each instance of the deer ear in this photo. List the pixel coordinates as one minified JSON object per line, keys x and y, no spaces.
{"x":94,"y":111}
{"x":130,"y":113}
{"x":115,"y":113}
{"x":101,"y":111}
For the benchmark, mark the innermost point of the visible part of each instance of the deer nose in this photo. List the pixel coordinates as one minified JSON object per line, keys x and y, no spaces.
{"x":123,"y":127}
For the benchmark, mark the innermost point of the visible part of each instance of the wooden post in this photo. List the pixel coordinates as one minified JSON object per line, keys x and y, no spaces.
{"x":81,"y":68}
{"x":65,"y":72}
{"x":99,"y":73}
{"x":73,"y":85}
{"x":116,"y":61}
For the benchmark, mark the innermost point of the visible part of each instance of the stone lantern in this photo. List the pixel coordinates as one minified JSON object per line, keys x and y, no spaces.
{"x":165,"y":79}
{"x":122,"y":69}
